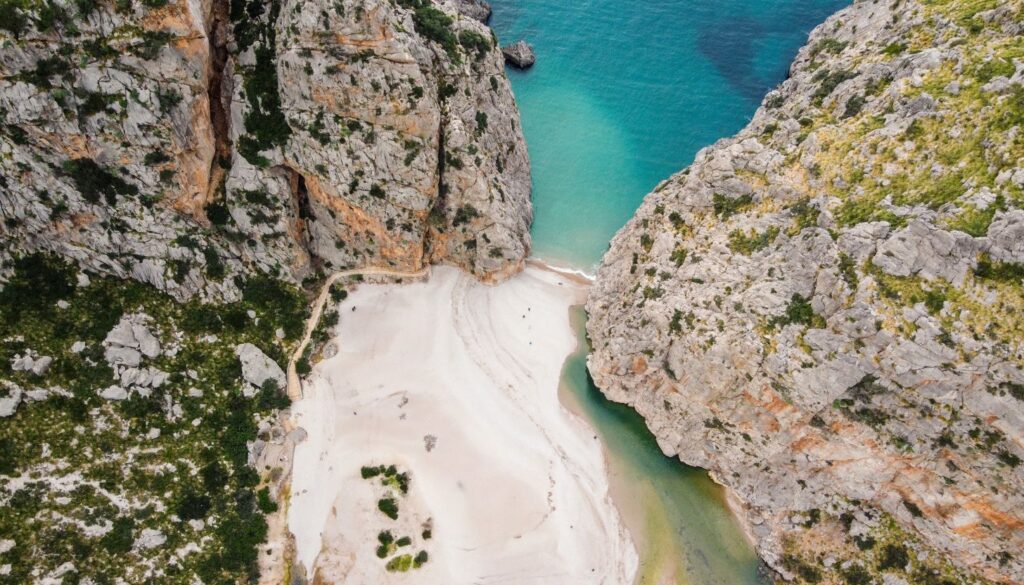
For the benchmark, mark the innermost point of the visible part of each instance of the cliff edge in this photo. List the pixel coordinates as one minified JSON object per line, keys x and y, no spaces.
{"x":185,"y":142}
{"x":825,"y":310}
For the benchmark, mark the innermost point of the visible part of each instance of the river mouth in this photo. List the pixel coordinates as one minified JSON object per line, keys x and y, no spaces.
{"x":681,"y":524}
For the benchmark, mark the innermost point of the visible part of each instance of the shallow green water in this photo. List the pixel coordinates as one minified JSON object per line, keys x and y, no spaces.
{"x":684,"y":529}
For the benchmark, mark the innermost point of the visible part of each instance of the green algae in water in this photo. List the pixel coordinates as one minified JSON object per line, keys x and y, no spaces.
{"x":682,"y":526}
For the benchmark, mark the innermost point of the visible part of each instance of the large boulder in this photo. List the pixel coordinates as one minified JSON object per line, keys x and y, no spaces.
{"x":519,"y":55}
{"x":257,"y":367}
{"x":11,"y":398}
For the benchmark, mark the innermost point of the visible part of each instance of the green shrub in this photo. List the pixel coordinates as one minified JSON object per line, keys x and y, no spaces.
{"x":726,"y":207}
{"x":119,"y":540}
{"x":828,"y":81}
{"x":92,"y":180}
{"x":400,"y":564}
{"x":217,"y":212}
{"x":893,"y":557}
{"x":193,"y":506}
{"x":993,"y":68}
{"x":389,"y":507}
{"x":747,"y":244}
{"x":474,"y":41}
{"x":44,"y":70}
{"x":266,"y":505}
{"x":893,"y":49}
{"x":434,"y":25}
{"x":853,"y":106}
{"x":799,"y":311}
{"x":12,"y":19}
{"x":1006,"y":272}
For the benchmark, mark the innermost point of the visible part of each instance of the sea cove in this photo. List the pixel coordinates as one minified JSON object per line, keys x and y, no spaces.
{"x":625,"y":93}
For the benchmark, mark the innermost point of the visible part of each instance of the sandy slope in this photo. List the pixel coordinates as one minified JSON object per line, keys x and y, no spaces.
{"x":515,"y":487}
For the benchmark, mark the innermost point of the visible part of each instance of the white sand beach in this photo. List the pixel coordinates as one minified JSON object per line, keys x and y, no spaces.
{"x":513,"y":489}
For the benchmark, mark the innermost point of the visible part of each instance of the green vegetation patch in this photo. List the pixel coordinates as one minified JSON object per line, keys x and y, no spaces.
{"x":726,"y":207}
{"x":93,"y":181}
{"x":395,"y":485}
{"x":748,"y":243}
{"x":150,"y":462}
{"x":265,"y":124}
{"x":800,"y":312}
{"x":433,"y":24}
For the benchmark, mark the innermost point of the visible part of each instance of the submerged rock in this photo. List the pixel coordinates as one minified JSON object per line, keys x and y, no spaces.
{"x":519,"y":54}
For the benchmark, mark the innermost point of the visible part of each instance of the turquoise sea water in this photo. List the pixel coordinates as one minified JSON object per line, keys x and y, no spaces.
{"x":623,"y":95}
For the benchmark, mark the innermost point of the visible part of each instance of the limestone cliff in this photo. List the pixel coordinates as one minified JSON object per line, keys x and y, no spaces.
{"x":182,"y":143}
{"x":826,"y":310}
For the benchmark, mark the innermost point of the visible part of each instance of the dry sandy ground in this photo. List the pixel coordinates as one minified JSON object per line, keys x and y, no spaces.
{"x":514,"y":488}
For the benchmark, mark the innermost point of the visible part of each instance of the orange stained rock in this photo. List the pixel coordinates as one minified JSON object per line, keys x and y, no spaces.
{"x":1000,"y":519}
{"x":639,"y":365}
{"x":358,"y":220}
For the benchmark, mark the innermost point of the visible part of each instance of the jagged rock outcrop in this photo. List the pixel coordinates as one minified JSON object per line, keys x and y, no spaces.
{"x":519,"y":55}
{"x":183,"y":144}
{"x":825,"y":311}
{"x":475,"y":9}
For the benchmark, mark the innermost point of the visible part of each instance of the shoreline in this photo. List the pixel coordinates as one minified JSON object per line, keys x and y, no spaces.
{"x":477,"y":368}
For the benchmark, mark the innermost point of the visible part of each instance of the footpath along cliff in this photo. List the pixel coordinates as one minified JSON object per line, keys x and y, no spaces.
{"x":827,"y":310}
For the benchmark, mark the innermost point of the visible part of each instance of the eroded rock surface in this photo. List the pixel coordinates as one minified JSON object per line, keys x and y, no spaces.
{"x":826,"y":310}
{"x":183,"y":144}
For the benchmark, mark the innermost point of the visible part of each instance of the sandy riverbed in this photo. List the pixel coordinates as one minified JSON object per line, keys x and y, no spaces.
{"x":514,"y":488}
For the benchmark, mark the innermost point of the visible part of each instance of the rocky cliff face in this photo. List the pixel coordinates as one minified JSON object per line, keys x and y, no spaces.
{"x":182,"y":143}
{"x":826,"y":310}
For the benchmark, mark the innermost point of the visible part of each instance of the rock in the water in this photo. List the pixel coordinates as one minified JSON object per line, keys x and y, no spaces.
{"x":257,"y":367}
{"x":519,"y":54}
{"x":475,"y":9}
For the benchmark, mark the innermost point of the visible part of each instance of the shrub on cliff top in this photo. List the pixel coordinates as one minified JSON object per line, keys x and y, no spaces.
{"x":433,"y":24}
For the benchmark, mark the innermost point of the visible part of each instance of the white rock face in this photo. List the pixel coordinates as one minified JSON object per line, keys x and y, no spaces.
{"x":257,"y":367}
{"x":132,"y":332}
{"x":352,"y":155}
